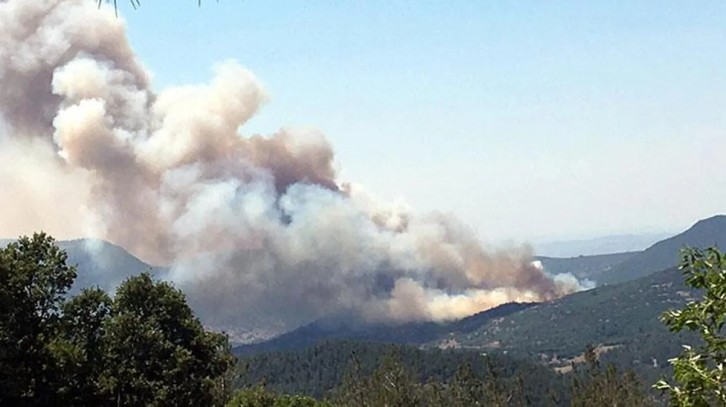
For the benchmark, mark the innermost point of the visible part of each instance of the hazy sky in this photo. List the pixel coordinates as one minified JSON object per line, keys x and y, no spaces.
{"x":528,"y":120}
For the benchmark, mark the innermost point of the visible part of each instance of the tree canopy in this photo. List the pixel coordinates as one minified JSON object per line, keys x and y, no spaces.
{"x":34,"y":277}
{"x":142,"y":347}
{"x":699,"y":372}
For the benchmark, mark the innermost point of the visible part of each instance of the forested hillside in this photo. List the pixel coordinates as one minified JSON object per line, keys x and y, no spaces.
{"x":610,"y":315}
{"x":623,"y":319}
{"x":318,"y":370}
{"x":354,"y":328}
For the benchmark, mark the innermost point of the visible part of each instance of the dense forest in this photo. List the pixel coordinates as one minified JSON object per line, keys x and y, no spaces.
{"x":318,"y":370}
{"x":378,"y":375}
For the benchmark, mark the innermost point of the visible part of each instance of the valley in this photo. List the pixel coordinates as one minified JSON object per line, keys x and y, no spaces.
{"x":620,"y":318}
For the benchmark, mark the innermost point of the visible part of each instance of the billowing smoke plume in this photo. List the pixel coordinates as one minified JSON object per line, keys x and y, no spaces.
{"x":257,"y":230}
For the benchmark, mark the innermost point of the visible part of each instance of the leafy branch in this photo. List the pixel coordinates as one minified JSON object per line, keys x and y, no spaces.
{"x":700,"y":372}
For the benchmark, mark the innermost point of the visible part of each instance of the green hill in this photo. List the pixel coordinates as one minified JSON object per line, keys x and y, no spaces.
{"x":610,"y":315}
{"x":622,"y":319}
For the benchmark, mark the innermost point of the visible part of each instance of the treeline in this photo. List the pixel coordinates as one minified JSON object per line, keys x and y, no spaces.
{"x":143,"y":347}
{"x":319,"y":370}
{"x":387,"y":375}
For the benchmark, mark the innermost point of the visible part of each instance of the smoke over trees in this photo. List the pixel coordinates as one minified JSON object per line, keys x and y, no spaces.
{"x":256,"y":229}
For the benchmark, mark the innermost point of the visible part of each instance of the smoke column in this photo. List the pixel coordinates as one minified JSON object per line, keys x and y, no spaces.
{"x":256,"y":229}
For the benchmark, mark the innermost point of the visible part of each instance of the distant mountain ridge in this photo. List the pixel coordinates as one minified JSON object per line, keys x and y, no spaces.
{"x":585,"y":267}
{"x":103,"y":264}
{"x":599,"y":245}
{"x":664,"y":254}
{"x":100,"y":263}
{"x":620,"y":267}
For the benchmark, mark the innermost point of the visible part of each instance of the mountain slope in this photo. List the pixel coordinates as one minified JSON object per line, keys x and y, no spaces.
{"x":102,"y":264}
{"x":608,"y":314}
{"x":623,"y":320}
{"x":585,"y":267}
{"x":664,"y":254}
{"x":616,"y":315}
{"x":599,"y":245}
{"x":99,"y":263}
{"x":355,"y":329}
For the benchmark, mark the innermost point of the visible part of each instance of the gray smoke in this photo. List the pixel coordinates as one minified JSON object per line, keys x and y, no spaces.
{"x":257,"y":229}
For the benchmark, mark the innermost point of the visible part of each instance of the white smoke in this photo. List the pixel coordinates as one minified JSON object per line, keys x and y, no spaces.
{"x":258,"y":230}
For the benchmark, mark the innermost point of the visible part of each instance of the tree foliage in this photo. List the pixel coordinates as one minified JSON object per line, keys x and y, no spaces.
{"x":319,"y":370}
{"x":79,"y":347}
{"x":157,"y":351}
{"x":258,"y":396}
{"x":143,"y":347}
{"x":699,"y":371}
{"x":34,"y":277}
{"x":596,"y":387}
{"x":392,"y":383}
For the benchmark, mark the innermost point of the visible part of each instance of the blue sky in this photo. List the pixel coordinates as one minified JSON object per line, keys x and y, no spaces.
{"x":528,"y":120}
